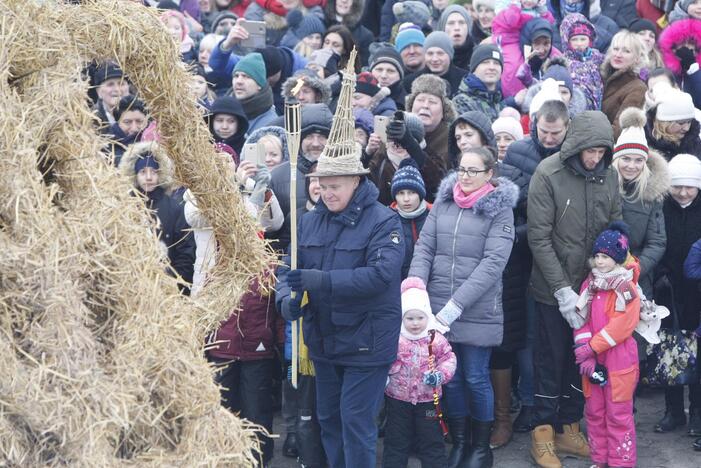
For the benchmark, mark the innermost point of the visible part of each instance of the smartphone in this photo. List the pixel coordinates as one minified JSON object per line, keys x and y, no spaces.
{"x":381,"y":122}
{"x":256,"y":34}
{"x":253,"y":152}
{"x":527,"y":50}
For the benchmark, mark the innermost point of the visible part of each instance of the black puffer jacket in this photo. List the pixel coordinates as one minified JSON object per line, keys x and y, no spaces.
{"x":690,"y":144}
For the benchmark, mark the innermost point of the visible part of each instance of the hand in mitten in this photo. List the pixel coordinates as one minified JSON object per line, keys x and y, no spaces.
{"x":587,"y":367}
{"x":309,"y":280}
{"x":261,"y":180}
{"x":449,"y":313}
{"x":583,"y":352}
{"x":433,"y":378}
{"x":567,"y":302}
{"x":397,"y":131}
{"x":292,"y":308}
{"x":535,"y":62}
{"x":273,"y":6}
{"x":441,"y":327}
{"x":686,"y":57}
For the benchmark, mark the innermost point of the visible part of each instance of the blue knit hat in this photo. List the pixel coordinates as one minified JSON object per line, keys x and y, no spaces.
{"x":305,"y":25}
{"x":407,"y":37}
{"x":146,"y":161}
{"x":408,"y":177}
{"x":613,"y":242}
{"x":253,"y":65}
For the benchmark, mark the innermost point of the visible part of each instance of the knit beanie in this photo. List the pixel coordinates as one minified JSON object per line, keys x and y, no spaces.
{"x":415,"y":297}
{"x":222,"y":16}
{"x":364,"y":120}
{"x":412,"y":11}
{"x":366,"y":83}
{"x":442,"y":41}
{"x":675,"y":105}
{"x":685,"y":171}
{"x":147,"y":160}
{"x":253,"y":65}
{"x":449,"y":10}
{"x":642,"y":24}
{"x":305,"y":25}
{"x":549,"y":91}
{"x":576,"y":24}
{"x":490,"y":4}
{"x":408,"y":177}
{"x":415,"y":128}
{"x":557,"y":70}
{"x":407,"y":37}
{"x":272,"y":57}
{"x":387,"y":55}
{"x":508,"y":125}
{"x":485,"y":52}
{"x":632,"y":139}
{"x":613,"y":242}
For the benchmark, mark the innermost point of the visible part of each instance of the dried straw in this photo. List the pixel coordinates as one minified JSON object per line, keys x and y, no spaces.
{"x":102,"y":358}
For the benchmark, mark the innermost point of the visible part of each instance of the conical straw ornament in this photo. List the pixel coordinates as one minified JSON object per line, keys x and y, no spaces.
{"x":341,"y":155}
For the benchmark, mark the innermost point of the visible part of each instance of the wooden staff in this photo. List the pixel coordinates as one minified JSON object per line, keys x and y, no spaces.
{"x":293,"y":121}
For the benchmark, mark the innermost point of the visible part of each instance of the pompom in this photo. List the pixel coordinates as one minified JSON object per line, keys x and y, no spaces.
{"x":413,"y":282}
{"x":294,"y":18}
{"x":398,"y":9}
{"x":620,"y":226}
{"x":632,"y":117}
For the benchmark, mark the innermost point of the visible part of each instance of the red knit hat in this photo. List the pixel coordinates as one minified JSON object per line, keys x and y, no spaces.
{"x":366,"y":83}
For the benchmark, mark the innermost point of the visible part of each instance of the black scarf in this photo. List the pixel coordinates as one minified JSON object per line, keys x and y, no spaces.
{"x":259,"y":103}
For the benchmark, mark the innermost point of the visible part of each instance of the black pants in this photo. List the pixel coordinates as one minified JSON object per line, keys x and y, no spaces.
{"x":247,"y":389}
{"x":558,"y":395}
{"x":311,"y":451}
{"x":412,"y":427}
{"x":674,"y":398}
{"x":501,"y":360}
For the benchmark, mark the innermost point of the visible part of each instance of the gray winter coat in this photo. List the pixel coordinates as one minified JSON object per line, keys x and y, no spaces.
{"x":648,"y":237}
{"x":461,"y":254}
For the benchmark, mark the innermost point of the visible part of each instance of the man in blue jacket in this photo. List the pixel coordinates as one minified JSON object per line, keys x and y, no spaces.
{"x":349,"y":258}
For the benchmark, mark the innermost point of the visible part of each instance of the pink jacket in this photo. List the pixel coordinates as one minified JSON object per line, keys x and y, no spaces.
{"x":407,"y":372}
{"x":506,"y":33}
{"x":610,"y":334}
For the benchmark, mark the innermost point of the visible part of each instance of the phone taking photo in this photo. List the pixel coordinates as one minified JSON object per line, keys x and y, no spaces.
{"x":256,"y":34}
{"x":380,"y":125}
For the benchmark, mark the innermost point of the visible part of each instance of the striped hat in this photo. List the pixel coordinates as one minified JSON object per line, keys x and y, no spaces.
{"x":632,"y":140}
{"x":408,"y":177}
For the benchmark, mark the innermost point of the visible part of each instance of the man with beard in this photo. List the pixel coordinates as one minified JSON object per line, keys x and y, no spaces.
{"x":252,"y":90}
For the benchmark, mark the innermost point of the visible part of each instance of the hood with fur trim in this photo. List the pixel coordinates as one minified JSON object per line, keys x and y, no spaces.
{"x":505,"y":196}
{"x":435,"y":85}
{"x":351,"y":20}
{"x":674,"y":34}
{"x":311,"y":80}
{"x":659,"y":182}
{"x":278,"y":132}
{"x":139,"y":150}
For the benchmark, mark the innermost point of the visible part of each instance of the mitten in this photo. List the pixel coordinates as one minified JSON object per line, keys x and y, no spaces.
{"x":309,"y":280}
{"x":261,"y":181}
{"x":449,"y":313}
{"x":433,"y":378}
{"x":273,"y":6}
{"x":586,"y":368}
{"x":567,"y":302}
{"x":583,"y":352}
{"x":535,"y":62}
{"x":686,"y":57}
{"x":292,"y":308}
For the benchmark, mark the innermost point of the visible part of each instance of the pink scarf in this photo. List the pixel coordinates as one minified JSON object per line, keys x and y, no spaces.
{"x":468,"y":200}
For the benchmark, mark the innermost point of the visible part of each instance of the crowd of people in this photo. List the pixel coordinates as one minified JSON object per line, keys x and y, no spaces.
{"x":525,"y":182}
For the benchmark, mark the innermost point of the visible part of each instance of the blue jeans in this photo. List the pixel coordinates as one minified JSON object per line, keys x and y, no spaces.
{"x":470,"y":391}
{"x":348,"y":400}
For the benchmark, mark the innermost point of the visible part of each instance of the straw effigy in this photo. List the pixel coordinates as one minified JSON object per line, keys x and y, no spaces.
{"x":101,"y":358}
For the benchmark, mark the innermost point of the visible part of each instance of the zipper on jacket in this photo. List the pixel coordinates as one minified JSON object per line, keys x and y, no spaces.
{"x":567,"y":205}
{"x":455,"y":240}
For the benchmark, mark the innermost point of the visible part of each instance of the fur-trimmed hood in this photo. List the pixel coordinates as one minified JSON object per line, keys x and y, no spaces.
{"x":505,"y":196}
{"x":139,"y":150}
{"x":676,"y":33}
{"x":311,"y":80}
{"x":351,"y":20}
{"x":578,"y":103}
{"x":659,"y":182}
{"x":278,"y":132}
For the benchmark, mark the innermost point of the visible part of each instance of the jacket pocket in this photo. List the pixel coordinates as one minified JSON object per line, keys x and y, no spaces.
{"x":350,"y":253}
{"x":354,"y":333}
{"x":623,"y":383}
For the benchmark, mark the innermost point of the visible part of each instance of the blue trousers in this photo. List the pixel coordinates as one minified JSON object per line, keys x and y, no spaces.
{"x":348,"y":401}
{"x":470,"y":392}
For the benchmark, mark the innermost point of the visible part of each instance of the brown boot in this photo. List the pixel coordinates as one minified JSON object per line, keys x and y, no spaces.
{"x":501,"y":434}
{"x":543,"y":447}
{"x":572,"y":442}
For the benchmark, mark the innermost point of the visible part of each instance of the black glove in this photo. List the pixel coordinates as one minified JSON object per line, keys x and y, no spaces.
{"x":686,"y":57}
{"x":292,"y":308}
{"x":535,"y":63}
{"x":397,"y":132}
{"x":309,"y":280}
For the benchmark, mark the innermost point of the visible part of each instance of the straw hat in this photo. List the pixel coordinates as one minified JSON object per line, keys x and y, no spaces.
{"x":341,"y":155}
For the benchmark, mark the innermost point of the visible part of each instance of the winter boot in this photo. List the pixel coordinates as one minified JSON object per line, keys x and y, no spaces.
{"x":543,"y":447}
{"x":459,"y":431}
{"x":694,"y":422}
{"x":524,"y":420}
{"x":501,"y":381}
{"x":571,"y":442}
{"x":289,"y":448}
{"x":481,"y":455}
{"x":670,"y":421}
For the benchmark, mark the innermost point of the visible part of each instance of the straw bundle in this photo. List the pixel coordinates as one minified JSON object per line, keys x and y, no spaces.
{"x":101,"y":357}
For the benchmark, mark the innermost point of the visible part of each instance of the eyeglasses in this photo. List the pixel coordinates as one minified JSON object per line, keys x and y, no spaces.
{"x":470,"y":172}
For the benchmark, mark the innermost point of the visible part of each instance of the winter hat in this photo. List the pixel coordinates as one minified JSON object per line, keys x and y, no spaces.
{"x":408,"y":177}
{"x":303,"y":26}
{"x":490,"y":4}
{"x":272,"y":57}
{"x":316,"y":118}
{"x":253,"y":65}
{"x":107,"y":71}
{"x":436,"y":86}
{"x":449,"y":10}
{"x":480,"y":122}
{"x":675,"y":105}
{"x":411,"y":11}
{"x":632,"y":139}
{"x":415,"y":297}
{"x":364,"y":120}
{"x":613,"y":242}
{"x":549,"y":91}
{"x":367,"y":84}
{"x":685,"y":170}
{"x":311,"y":79}
{"x":222,"y":16}
{"x":557,"y":70}
{"x":575,"y":24}
{"x":407,"y":37}
{"x":508,"y":125}
{"x":642,"y":24}
{"x":485,"y":52}
{"x":147,"y":160}
{"x":416,"y":128}
{"x":326,"y":59}
{"x":442,"y":41}
{"x":387,"y":55}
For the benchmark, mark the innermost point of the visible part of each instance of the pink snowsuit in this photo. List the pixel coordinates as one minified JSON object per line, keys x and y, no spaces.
{"x":609,"y":409}
{"x":407,"y":372}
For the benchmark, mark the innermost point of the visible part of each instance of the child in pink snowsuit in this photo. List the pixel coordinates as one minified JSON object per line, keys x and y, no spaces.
{"x":425,"y":361}
{"x":611,"y":303}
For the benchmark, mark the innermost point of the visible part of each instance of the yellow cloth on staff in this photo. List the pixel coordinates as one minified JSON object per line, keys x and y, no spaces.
{"x":306,"y":366}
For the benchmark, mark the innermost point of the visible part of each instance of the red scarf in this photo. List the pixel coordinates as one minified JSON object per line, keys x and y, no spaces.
{"x":468,"y":200}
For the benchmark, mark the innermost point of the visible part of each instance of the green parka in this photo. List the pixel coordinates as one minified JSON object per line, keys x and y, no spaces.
{"x":568,"y":207}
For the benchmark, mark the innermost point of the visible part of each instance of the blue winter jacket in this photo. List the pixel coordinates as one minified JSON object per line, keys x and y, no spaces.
{"x":357,"y":322}
{"x":692,"y":264}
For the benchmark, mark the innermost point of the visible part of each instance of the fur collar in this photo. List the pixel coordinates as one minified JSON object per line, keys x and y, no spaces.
{"x":505,"y":196}
{"x":675,"y":33}
{"x":310,"y":80}
{"x":352,"y":19}
{"x":138,"y":150}
{"x":659,"y":182}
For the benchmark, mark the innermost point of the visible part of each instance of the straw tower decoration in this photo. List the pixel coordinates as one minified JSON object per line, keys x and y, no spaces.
{"x":101,"y":357}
